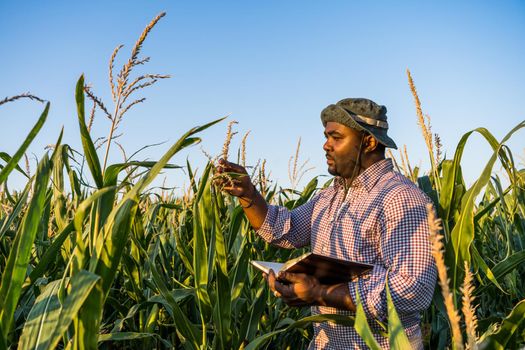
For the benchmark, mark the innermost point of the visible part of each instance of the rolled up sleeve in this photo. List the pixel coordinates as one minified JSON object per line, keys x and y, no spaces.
{"x":288,"y":228}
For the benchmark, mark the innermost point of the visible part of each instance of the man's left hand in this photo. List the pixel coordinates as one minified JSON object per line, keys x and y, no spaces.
{"x":296,"y":289}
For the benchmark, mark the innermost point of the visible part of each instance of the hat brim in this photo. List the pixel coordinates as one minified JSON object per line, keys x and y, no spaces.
{"x":334,"y":113}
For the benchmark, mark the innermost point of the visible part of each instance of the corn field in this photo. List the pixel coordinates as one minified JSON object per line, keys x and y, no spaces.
{"x":91,"y":258}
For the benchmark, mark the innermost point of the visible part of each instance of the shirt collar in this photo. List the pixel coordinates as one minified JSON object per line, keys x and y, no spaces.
{"x":369,"y":177}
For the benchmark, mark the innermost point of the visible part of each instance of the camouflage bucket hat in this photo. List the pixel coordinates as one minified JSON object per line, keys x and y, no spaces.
{"x":360,"y":114}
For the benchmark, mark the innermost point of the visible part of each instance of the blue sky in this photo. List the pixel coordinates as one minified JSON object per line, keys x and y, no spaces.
{"x":272,"y":66}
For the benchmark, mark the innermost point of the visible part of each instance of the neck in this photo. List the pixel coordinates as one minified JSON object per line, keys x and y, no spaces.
{"x":361,"y":166}
{"x":357,"y":172}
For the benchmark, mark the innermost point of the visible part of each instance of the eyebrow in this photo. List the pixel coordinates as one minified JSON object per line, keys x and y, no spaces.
{"x":332,"y":133}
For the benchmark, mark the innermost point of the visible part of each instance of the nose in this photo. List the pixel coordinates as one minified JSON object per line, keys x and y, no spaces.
{"x":327,"y":147}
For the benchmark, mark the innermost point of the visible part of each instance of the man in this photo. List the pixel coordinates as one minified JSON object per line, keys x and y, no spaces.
{"x":370,"y":214}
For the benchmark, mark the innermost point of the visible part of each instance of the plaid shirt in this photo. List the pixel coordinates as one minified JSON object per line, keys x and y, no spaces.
{"x":382,"y":221}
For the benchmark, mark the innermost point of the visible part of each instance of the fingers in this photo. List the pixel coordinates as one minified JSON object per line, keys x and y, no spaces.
{"x":292,"y":277}
{"x":232,"y":178}
{"x":276,"y":286}
{"x":237,"y":191}
{"x":271,"y":280}
{"x":224,"y":165}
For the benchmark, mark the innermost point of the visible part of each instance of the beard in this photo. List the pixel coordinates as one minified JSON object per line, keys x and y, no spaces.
{"x":345,"y":170}
{"x":332,"y":168}
{"x":333,"y":171}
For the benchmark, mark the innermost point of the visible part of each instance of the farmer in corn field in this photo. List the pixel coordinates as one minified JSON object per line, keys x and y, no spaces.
{"x":370,"y":214}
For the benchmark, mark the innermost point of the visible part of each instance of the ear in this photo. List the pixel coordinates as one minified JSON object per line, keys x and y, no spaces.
{"x":370,"y":143}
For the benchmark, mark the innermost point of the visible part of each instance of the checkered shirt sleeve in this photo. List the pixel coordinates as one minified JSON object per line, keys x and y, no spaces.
{"x":288,"y":229}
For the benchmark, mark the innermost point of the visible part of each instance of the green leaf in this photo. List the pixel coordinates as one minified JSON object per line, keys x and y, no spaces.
{"x":222,"y":308}
{"x":396,"y":332}
{"x":51,"y":253}
{"x":240,"y":269}
{"x":120,"y":336}
{"x":49,"y":318}
{"x":80,"y":256}
{"x":87,"y":143}
{"x":20,"y":204}
{"x":107,"y":202}
{"x":301,"y":324}
{"x":15,"y":269}
{"x":463,"y":232}
{"x":3,"y":345}
{"x":258,"y":342}
{"x":451,"y":177}
{"x":84,"y":207}
{"x":248,"y":329}
{"x":361,"y":325}
{"x":499,"y":339}
{"x":484,"y":267}
{"x":183,"y":325}
{"x":503,"y":268}
{"x":13,"y":162}
{"x":191,"y":176}
{"x":202,"y":222}
{"x":7,"y":158}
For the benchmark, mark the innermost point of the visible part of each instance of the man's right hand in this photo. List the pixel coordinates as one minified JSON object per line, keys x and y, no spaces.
{"x":253,"y":204}
{"x":240,"y":185}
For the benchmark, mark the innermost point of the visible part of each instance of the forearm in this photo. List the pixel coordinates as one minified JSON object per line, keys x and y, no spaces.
{"x":278,"y":225}
{"x":337,"y":296}
{"x":255,"y":208}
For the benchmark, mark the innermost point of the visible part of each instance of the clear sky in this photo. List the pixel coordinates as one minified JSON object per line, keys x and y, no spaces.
{"x":272,"y":66}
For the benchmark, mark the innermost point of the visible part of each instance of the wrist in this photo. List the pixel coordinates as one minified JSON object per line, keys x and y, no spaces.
{"x":249,"y":198}
{"x":249,"y":202}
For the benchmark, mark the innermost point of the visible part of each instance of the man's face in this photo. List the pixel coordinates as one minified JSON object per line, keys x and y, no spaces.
{"x":341,"y":148}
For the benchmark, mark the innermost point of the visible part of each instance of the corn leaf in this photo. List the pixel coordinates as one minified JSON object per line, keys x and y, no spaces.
{"x":222,"y":307}
{"x":49,"y":318}
{"x":120,"y":336}
{"x":301,"y":324}
{"x":59,"y":200}
{"x":480,"y":263}
{"x":249,"y":329}
{"x":361,"y":324}
{"x":201,"y":224}
{"x":463,"y":231}
{"x":504,"y":267}
{"x":106,"y":203}
{"x":13,"y":162}
{"x":20,"y":204}
{"x":15,"y":270}
{"x":499,"y":339}
{"x":186,"y":329}
{"x":7,"y":158}
{"x":396,"y":332}
{"x":87,"y":143}
{"x":51,"y":253}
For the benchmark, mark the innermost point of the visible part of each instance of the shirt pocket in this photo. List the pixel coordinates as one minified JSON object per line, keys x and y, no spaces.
{"x":366,"y":245}
{"x":360,"y":239}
